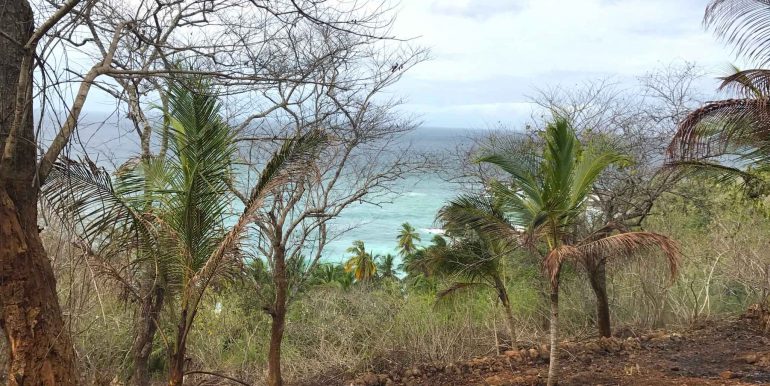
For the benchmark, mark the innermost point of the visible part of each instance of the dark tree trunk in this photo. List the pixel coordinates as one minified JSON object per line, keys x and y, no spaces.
{"x":40,"y":349}
{"x":278,"y":314}
{"x":597,"y":275}
{"x":149,"y":313}
{"x":178,"y":356}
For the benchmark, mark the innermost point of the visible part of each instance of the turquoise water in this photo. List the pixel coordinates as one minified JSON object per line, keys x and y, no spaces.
{"x":378,"y":226}
{"x":417,"y":200}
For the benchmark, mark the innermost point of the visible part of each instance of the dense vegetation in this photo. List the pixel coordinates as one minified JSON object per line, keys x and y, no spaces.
{"x":201,"y":257}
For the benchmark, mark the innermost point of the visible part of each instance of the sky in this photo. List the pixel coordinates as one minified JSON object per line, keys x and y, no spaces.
{"x":487,"y":56}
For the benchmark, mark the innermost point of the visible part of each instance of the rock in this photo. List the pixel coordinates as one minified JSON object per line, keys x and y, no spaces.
{"x":631,"y":344}
{"x":592,"y":347}
{"x":513,"y":354}
{"x":533,"y":354}
{"x":497,"y":380}
{"x":750,"y":358}
{"x":727,"y":374}
{"x":610,"y":344}
{"x":370,"y":379}
{"x":544,"y":351}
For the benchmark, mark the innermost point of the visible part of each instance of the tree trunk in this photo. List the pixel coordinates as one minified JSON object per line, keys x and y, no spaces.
{"x":40,"y":349}
{"x":553,"y":367}
{"x":177,"y":363}
{"x":141,"y":349}
{"x":597,"y":275}
{"x":502,"y":293}
{"x":278,"y":314}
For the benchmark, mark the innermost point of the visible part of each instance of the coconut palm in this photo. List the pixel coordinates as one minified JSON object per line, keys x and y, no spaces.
{"x":475,"y":257}
{"x":732,"y":137}
{"x":548,"y":194}
{"x":417,"y":263}
{"x":386,"y":267}
{"x":332,"y":275}
{"x":407,"y":240}
{"x":174,"y":210}
{"x":361,"y":263}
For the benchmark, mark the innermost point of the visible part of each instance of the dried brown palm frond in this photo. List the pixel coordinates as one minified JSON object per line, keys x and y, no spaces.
{"x":739,"y":126}
{"x":743,"y":23}
{"x":616,"y":246}
{"x":556,"y":257}
{"x":627,"y":244}
{"x":752,"y":83}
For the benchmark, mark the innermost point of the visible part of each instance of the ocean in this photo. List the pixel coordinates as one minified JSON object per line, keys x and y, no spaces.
{"x":416,"y":200}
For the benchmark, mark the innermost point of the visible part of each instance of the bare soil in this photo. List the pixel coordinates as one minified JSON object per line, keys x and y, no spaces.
{"x":729,"y":352}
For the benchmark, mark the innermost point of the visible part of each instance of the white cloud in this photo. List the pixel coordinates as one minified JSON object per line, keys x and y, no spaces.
{"x":508,"y":46}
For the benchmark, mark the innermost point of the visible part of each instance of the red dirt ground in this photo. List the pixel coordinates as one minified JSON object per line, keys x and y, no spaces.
{"x":731,"y":352}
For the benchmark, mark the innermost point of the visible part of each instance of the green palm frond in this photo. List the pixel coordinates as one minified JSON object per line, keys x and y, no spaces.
{"x":560,"y":157}
{"x":478,"y":213}
{"x":407,"y":239}
{"x":104,"y":212}
{"x":361,"y":263}
{"x":591,"y":164}
{"x":457,"y":287}
{"x":522,"y":170}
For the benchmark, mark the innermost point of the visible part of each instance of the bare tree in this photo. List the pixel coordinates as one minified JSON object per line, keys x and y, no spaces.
{"x":126,"y":51}
{"x":360,"y":164}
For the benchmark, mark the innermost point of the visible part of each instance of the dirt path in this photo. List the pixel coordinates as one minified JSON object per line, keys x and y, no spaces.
{"x":726,"y":353}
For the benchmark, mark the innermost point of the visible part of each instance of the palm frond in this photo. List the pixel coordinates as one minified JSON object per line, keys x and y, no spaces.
{"x":521,"y":168}
{"x":555,"y":258}
{"x":743,"y":23}
{"x":732,"y":126}
{"x":478,"y":213}
{"x":716,"y":171}
{"x":591,"y":165}
{"x":455,"y":288}
{"x":627,"y":244}
{"x":753,"y":83}
{"x":85,"y":197}
{"x":289,"y":162}
{"x":560,"y":157}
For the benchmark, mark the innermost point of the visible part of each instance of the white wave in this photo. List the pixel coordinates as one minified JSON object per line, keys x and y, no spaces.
{"x":435,"y":231}
{"x":416,"y":194}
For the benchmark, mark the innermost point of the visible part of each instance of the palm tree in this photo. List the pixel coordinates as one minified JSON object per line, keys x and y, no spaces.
{"x":732,"y":137}
{"x":547,"y":195}
{"x":407,"y":238}
{"x":417,"y":264}
{"x":174,"y":209}
{"x":334,"y":275}
{"x":361,"y":263}
{"x":386,"y":267}
{"x":476,"y":257}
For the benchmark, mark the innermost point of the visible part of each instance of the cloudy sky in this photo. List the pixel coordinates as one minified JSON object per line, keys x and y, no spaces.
{"x":488,"y":55}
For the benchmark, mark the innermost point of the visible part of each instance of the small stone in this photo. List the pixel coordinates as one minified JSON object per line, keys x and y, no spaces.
{"x":592,"y":347}
{"x":750,"y":358}
{"x":513,"y":354}
{"x":497,"y":380}
{"x":727,"y":374}
{"x":370,"y":379}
